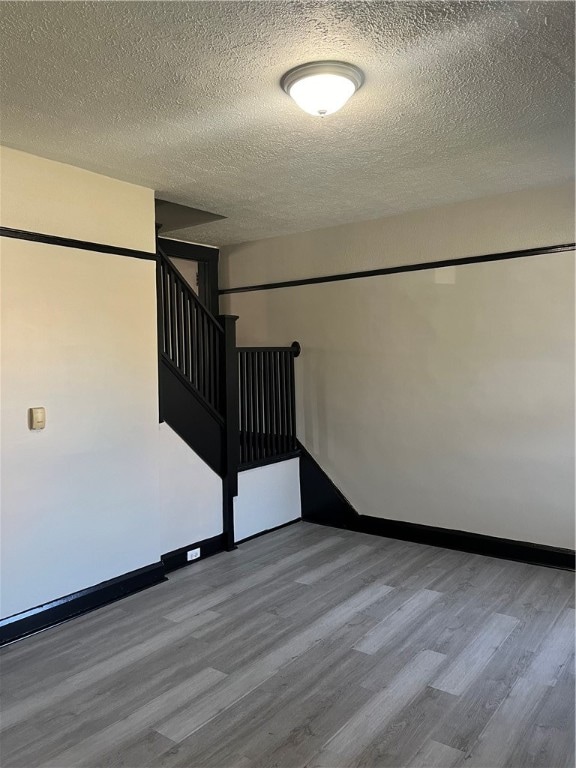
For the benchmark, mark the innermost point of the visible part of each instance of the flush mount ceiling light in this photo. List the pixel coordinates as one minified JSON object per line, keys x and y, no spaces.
{"x":322,"y":87}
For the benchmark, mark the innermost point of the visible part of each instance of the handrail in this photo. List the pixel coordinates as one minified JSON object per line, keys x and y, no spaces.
{"x":294,"y":349}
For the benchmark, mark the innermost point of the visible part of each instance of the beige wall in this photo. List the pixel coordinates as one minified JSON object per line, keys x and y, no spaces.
{"x":52,"y":198}
{"x":80,"y":500}
{"x":442,"y":397}
{"x":528,"y":219}
{"x":189,"y":270}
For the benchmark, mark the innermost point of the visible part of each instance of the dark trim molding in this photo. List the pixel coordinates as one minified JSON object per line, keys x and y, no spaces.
{"x":64,"y":608}
{"x":230,"y":387}
{"x":324,"y":504}
{"x":180,"y":249}
{"x":270,"y":460}
{"x":165,"y":360}
{"x":189,"y":418}
{"x":463,"y":541}
{"x":269,"y":530}
{"x":545,"y":250}
{"x":67,"y":242}
{"x":207,"y":260}
{"x":208,"y":547}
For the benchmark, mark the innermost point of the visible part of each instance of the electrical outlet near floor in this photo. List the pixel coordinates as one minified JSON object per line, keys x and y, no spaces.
{"x":193,"y":554}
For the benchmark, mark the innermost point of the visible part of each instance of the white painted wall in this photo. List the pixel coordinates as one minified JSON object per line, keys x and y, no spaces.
{"x":447,"y":404}
{"x":267,"y":497}
{"x":191,"y":498}
{"x":102,"y":490}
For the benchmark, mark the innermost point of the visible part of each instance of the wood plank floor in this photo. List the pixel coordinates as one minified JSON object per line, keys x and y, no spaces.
{"x":308,"y":647}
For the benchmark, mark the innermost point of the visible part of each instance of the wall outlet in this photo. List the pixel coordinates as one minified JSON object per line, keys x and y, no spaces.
{"x":193,"y":554}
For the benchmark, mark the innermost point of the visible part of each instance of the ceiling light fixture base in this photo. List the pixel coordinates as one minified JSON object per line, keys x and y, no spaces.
{"x":341,"y":68}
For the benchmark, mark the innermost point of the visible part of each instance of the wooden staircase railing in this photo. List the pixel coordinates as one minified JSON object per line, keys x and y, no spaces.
{"x":234,"y":406}
{"x":191,"y":337}
{"x":267,"y":411}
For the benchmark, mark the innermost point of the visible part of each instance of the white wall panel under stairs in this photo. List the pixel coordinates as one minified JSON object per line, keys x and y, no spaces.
{"x":267,"y":497}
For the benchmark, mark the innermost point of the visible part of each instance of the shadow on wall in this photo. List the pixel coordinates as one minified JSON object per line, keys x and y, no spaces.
{"x":313,"y":425}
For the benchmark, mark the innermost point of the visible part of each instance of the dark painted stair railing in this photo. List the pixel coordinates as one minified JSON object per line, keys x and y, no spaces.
{"x":267,"y":404}
{"x":198,"y":380}
{"x":191,"y":337}
{"x":235,"y":407}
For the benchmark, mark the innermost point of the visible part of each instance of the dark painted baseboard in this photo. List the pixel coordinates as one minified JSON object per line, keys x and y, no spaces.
{"x":58,"y":611}
{"x":208,"y":547}
{"x":324,"y":504}
{"x":48,"y":615}
{"x":463,"y":541}
{"x":269,"y":530}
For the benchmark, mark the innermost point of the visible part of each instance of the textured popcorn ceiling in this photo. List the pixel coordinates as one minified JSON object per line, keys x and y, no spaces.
{"x":461,"y":100}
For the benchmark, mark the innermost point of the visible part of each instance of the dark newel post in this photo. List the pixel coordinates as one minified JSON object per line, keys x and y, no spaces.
{"x":232,"y":427}
{"x":159,"y":321}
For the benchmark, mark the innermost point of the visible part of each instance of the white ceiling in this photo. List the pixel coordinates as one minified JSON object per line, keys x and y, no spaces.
{"x":461,"y":100}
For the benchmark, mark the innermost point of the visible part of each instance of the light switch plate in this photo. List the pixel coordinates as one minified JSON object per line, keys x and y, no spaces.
{"x":36,"y":418}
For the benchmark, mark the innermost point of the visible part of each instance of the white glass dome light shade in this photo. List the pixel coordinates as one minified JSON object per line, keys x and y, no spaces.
{"x":322,"y":88}
{"x":323,"y":94}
